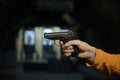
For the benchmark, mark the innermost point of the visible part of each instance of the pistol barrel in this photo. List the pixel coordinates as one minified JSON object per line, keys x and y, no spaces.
{"x":58,"y":35}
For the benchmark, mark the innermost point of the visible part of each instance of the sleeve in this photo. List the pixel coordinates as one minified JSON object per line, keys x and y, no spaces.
{"x":107,"y":63}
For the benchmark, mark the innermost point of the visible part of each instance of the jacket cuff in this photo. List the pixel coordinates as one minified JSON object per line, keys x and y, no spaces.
{"x":98,"y":54}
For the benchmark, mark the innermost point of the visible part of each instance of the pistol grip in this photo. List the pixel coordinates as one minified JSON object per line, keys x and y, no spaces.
{"x":76,"y":51}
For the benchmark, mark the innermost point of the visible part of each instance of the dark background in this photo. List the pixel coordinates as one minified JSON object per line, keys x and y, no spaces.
{"x":95,"y":21}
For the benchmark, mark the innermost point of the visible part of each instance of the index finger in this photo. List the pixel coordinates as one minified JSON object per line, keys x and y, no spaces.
{"x":73,"y":42}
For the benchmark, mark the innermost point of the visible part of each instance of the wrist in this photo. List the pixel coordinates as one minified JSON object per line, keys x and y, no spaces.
{"x":91,"y":59}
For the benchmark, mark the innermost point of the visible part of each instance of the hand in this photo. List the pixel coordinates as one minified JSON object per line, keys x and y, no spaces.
{"x":86,"y":51}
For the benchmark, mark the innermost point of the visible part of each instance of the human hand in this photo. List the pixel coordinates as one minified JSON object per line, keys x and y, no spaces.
{"x":86,"y":51}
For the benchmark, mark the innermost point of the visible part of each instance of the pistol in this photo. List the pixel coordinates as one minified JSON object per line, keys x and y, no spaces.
{"x":65,"y":37}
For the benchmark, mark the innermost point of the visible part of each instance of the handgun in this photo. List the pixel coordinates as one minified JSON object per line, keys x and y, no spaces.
{"x":65,"y":37}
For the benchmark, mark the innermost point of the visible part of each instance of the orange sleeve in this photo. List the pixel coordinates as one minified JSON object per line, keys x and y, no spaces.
{"x":107,"y":63}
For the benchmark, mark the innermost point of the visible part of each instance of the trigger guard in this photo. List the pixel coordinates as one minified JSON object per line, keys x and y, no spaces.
{"x":56,"y":42}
